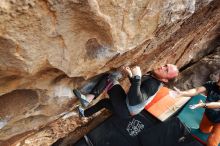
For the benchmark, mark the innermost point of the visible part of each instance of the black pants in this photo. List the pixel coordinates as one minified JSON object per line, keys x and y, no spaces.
{"x":116,"y":103}
{"x":169,"y":133}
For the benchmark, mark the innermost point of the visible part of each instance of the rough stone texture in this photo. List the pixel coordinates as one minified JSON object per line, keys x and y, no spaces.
{"x":207,"y":69}
{"x":48,"y":47}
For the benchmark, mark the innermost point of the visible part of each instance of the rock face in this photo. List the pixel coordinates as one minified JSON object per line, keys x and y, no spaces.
{"x":207,"y":69}
{"x":48,"y":47}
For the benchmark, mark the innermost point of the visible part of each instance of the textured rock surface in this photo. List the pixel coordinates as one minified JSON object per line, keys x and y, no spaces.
{"x":204,"y":70}
{"x":48,"y":47}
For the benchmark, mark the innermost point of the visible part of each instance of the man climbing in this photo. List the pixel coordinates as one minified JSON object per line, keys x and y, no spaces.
{"x":142,"y":90}
{"x":211,"y":119}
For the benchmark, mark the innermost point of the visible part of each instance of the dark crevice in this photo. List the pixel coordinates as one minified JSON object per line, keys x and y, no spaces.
{"x":211,"y":49}
{"x":187,"y":66}
{"x":192,"y":62}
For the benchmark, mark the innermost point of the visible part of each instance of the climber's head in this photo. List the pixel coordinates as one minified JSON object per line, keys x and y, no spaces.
{"x":166,"y":72}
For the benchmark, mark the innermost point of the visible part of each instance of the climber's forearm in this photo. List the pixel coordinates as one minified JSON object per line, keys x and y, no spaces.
{"x":212,"y":105}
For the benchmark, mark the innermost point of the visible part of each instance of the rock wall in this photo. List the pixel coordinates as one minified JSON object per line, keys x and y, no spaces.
{"x":206,"y":69}
{"x":48,"y":47}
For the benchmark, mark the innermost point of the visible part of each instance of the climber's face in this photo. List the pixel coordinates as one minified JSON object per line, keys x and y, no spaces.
{"x":166,"y":72}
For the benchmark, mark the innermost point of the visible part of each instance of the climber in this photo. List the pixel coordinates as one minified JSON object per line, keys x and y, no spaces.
{"x":211,"y":118}
{"x":142,"y":90}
